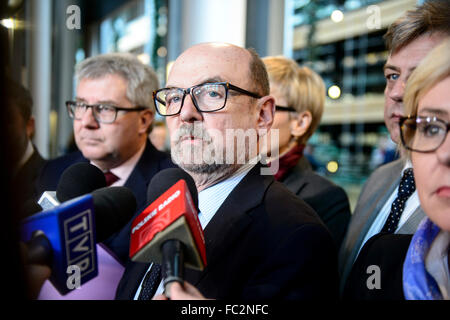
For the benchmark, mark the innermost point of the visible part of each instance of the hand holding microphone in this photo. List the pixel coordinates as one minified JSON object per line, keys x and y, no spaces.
{"x":182,"y":292}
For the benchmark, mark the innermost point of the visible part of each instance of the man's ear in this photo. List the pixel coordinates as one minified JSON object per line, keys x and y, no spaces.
{"x":30,"y":128}
{"x":301,"y":123}
{"x":266,"y":112}
{"x":146,"y":119}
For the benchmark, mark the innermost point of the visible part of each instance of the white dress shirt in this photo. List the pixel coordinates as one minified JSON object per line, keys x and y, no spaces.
{"x":123,"y":171}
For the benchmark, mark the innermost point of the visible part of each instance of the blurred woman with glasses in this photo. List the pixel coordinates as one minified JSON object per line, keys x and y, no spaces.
{"x":299,"y":94}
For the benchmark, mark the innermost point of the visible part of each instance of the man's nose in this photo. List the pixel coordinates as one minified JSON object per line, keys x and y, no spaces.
{"x":88,"y":120}
{"x":189,"y":112}
{"x":397,"y":91}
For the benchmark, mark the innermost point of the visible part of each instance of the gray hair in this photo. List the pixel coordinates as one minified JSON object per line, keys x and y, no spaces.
{"x":142,"y":80}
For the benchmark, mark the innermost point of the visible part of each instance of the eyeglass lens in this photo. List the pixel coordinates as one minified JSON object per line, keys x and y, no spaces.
{"x":207,"y":97}
{"x":424,"y":134}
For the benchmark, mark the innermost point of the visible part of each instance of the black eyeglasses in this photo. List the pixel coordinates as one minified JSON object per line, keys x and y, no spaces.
{"x":286,"y":109}
{"x":423,"y":134}
{"x":103,"y":113}
{"x":207,"y":97}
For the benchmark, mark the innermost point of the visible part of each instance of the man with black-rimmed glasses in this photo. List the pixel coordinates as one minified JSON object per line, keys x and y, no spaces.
{"x":262,"y":242}
{"x":112,"y":114}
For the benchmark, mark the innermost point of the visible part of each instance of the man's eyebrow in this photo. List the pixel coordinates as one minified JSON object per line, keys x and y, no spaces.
{"x":109,"y":102}
{"x":212,"y":80}
{"x":208,"y":80}
{"x":392,"y":67}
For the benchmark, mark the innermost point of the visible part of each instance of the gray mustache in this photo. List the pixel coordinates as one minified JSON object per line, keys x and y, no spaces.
{"x":192,"y":130}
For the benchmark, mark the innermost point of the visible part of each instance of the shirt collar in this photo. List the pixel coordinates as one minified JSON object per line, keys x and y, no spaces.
{"x":408,"y":165}
{"x":212,"y":198}
{"x":124,"y":170}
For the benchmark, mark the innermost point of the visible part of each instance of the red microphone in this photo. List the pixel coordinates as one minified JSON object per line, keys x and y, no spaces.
{"x":168,"y":231}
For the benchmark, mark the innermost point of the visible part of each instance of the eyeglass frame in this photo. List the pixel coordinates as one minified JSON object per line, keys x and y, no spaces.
{"x":285,"y":109}
{"x":402,"y":138}
{"x":87,"y":106}
{"x":188,"y":91}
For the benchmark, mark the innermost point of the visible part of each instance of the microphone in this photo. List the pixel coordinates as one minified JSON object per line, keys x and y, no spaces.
{"x":48,"y":200}
{"x":78,"y":179}
{"x":64,"y":237}
{"x":168,"y":230}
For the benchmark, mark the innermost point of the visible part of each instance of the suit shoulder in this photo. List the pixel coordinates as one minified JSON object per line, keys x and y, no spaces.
{"x":53,"y":169}
{"x":390,"y":168}
{"x":286,"y":205}
{"x":318,"y":184}
{"x":65,"y":160}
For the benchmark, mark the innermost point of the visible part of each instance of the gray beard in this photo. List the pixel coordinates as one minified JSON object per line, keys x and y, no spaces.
{"x":203,"y":161}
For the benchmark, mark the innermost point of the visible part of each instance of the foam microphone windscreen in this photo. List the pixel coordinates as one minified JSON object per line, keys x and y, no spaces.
{"x":171,"y":215}
{"x":114,"y":207}
{"x":79,"y":179}
{"x":165,"y":179}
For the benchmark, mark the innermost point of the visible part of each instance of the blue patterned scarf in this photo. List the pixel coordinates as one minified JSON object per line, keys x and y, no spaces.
{"x":418,"y":284}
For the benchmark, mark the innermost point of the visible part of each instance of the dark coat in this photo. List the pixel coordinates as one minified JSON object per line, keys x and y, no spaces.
{"x":387,"y":252}
{"x":327,"y":199}
{"x":27,"y":175}
{"x":263,"y":243}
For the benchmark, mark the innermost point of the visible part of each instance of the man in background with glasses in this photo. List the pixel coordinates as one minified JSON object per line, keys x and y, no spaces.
{"x":262,"y":242}
{"x":388,"y":202}
{"x":112,"y":116}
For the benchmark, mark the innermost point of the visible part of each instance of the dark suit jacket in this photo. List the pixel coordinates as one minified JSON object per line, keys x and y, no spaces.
{"x":27,"y":175}
{"x":327,"y":199}
{"x":374,"y":195}
{"x":150,"y":163}
{"x":263,"y":243}
{"x":388,"y":252}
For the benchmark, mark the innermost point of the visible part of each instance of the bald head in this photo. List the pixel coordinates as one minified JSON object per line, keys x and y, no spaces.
{"x":212,"y":114}
{"x":231,"y":61}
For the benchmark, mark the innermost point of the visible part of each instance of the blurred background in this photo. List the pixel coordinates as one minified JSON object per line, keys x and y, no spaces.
{"x":342,"y":40}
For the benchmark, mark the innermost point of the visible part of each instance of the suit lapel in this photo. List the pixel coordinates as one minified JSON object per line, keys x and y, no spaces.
{"x":410,"y":226}
{"x":383,"y":189}
{"x":295,"y":180}
{"x":232,"y":219}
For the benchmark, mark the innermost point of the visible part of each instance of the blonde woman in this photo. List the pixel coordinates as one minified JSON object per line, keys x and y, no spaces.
{"x":424,"y":135}
{"x":299,"y":95}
